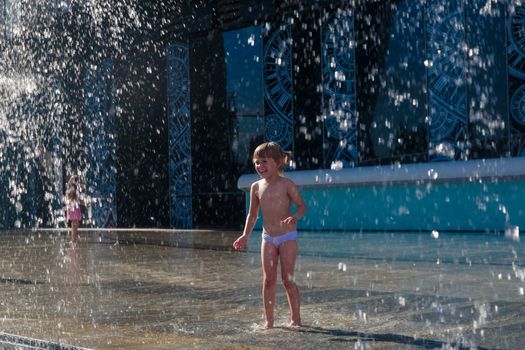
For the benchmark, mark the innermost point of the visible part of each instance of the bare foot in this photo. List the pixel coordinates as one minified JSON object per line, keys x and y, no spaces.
{"x":268,"y":325}
{"x":294,"y":324}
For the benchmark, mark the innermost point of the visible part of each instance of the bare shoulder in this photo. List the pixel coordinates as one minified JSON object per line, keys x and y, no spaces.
{"x":288,"y":182}
{"x":291,"y":188}
{"x":254,"y":188}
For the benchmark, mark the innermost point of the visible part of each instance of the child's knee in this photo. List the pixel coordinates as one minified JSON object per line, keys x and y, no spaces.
{"x":270,"y":281}
{"x":288,"y":280}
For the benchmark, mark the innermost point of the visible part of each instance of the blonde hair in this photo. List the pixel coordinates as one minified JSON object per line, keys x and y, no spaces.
{"x":71,"y":187}
{"x":71,"y":193}
{"x":273,"y":150}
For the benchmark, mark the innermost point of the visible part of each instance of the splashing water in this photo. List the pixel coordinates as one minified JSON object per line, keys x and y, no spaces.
{"x":55,"y":57}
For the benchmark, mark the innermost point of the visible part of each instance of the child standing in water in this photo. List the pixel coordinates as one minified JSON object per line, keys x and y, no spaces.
{"x":73,"y":203}
{"x":274,"y":194}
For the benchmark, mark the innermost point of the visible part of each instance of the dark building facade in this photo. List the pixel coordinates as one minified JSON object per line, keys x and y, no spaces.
{"x":345,"y":84}
{"x":160,"y":104}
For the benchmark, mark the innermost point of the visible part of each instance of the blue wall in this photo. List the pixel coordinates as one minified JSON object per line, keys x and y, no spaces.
{"x":477,"y":195}
{"x":456,"y":206}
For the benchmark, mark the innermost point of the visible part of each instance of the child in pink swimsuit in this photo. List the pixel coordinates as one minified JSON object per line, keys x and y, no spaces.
{"x":73,"y":203}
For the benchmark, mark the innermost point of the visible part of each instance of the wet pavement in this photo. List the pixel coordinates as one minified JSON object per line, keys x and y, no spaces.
{"x":147,"y":289}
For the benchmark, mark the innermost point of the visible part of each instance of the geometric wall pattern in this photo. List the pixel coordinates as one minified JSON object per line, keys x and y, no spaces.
{"x":179,"y":120}
{"x":278,"y":89}
{"x":339,"y":90}
{"x":54,"y":164}
{"x":516,"y":69}
{"x":446,"y":66}
{"x":100,"y":137}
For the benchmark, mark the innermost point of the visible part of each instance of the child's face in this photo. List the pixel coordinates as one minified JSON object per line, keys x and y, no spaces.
{"x":265,"y":167}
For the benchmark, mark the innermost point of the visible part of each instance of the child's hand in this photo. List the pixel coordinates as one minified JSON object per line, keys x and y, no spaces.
{"x":289,"y":220}
{"x":240,"y":243}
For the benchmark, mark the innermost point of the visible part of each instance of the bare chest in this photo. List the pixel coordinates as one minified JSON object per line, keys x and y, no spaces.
{"x":272,"y":194}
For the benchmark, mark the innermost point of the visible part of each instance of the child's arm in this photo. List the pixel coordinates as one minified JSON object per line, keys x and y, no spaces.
{"x":251,"y":219}
{"x":297,"y":199}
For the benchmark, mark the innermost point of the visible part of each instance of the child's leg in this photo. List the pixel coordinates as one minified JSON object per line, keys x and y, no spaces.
{"x":74,"y":230}
{"x":269,"y":254}
{"x":288,"y":255}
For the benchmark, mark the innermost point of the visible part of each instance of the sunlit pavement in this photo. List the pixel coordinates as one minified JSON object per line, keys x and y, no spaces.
{"x":188,"y":290}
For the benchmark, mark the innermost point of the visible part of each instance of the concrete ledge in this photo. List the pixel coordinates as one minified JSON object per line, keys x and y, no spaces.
{"x":195,"y":239}
{"x":459,"y":196}
{"x":470,"y":170}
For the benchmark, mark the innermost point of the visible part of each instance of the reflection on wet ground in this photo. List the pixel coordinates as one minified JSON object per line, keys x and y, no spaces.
{"x":188,"y":290}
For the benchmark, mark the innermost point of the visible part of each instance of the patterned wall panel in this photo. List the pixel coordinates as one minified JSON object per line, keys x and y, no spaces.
{"x":52,"y":159}
{"x":33,"y":191}
{"x":339,"y":90}
{"x":8,"y":181}
{"x":179,"y":136}
{"x":53,"y":164}
{"x":446,"y":66}
{"x":4,"y":198}
{"x":100,"y":136}
{"x":31,"y":160}
{"x":278,"y":87}
{"x":516,"y":64}
{"x":23,"y":134}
